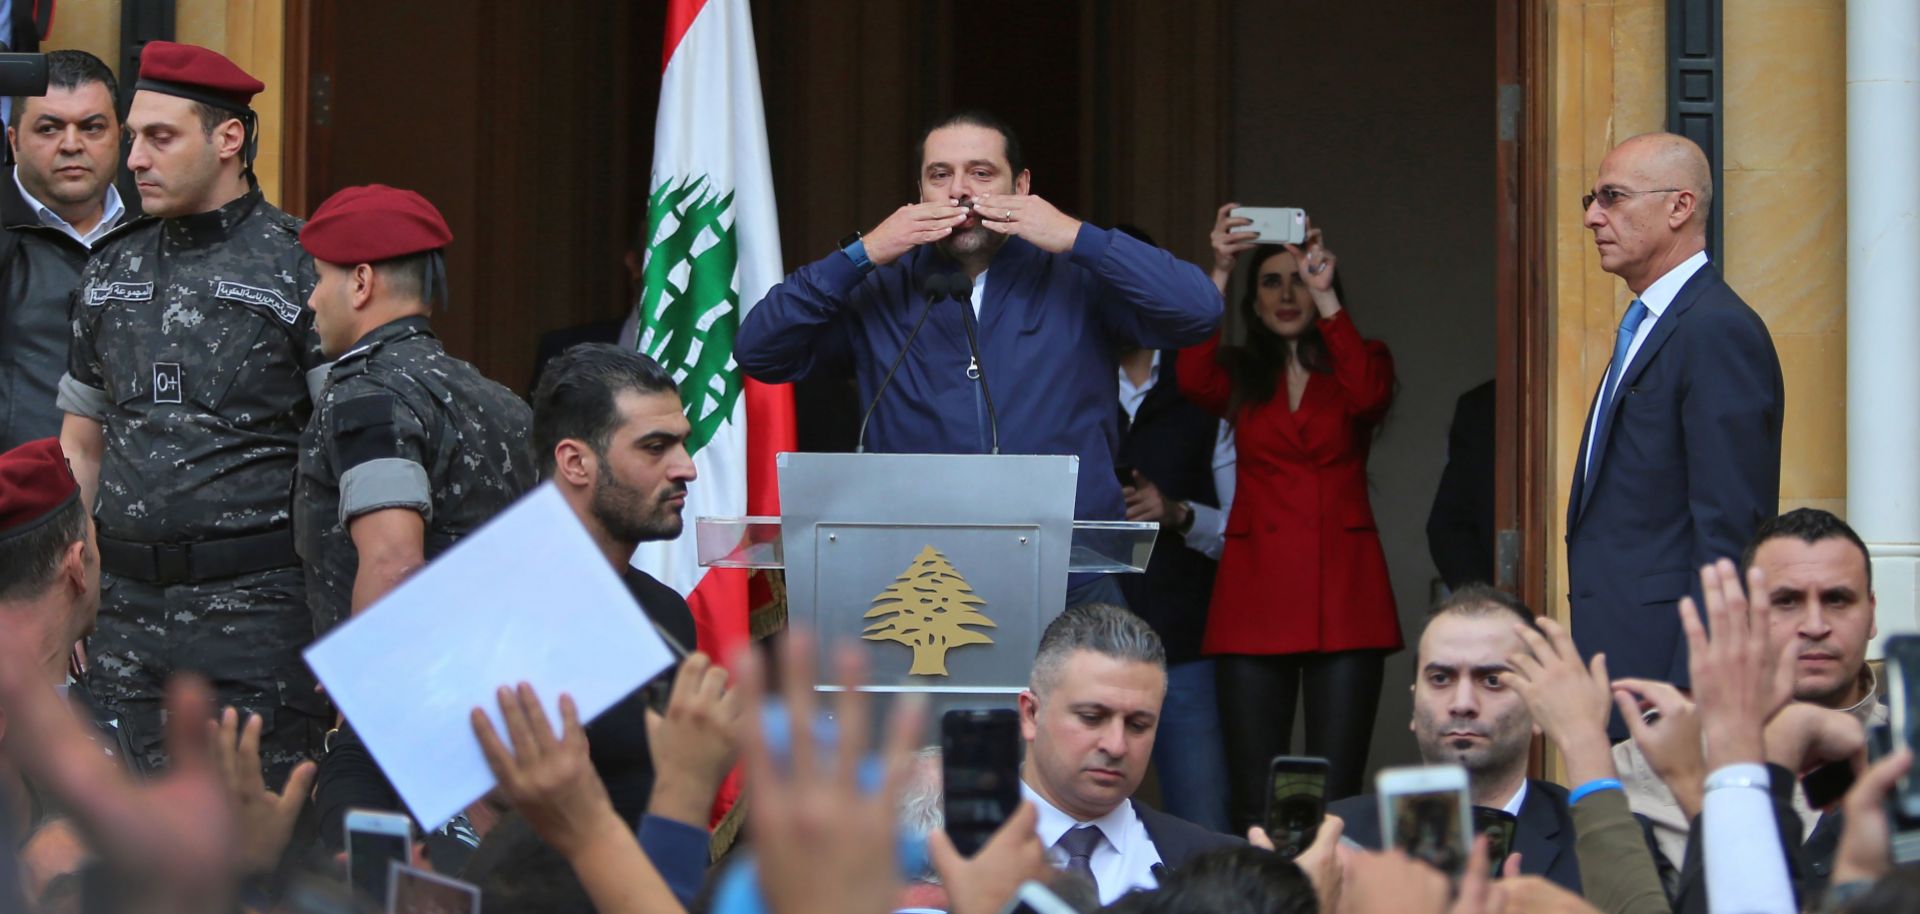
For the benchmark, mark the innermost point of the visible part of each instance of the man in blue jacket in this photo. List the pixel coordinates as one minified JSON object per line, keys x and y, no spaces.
{"x":1053,"y":300}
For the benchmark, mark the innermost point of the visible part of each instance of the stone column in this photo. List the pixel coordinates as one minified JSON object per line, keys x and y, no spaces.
{"x":1883,"y":299}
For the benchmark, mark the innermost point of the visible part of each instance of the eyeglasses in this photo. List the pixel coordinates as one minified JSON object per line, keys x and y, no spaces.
{"x":1608,"y":196}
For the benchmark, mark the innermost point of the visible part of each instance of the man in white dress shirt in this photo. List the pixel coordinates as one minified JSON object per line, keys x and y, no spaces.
{"x":1089,"y":716}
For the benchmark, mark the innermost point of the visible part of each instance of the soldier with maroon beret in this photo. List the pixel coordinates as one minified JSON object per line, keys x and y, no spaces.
{"x":409,"y":449}
{"x":186,"y":392}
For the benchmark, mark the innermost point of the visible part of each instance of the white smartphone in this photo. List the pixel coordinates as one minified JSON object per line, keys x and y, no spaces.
{"x":415,"y":891}
{"x":375,"y":840}
{"x":1276,"y":224}
{"x":1428,"y":813}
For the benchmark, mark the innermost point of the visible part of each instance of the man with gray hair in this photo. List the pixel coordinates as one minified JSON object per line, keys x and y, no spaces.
{"x":1089,"y":716}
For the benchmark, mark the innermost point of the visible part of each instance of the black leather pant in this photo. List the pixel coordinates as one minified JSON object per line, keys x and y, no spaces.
{"x":1257,"y":697}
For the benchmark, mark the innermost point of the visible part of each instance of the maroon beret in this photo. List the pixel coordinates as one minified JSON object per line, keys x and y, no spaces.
{"x":193,"y":72}
{"x":35,"y":483}
{"x":373,"y":223}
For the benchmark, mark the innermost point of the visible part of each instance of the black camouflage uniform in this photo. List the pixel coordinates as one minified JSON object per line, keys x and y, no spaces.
{"x":402,"y":424}
{"x":193,"y":350}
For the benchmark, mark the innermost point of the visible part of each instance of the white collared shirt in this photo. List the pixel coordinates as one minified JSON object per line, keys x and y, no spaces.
{"x":1656,"y":299}
{"x":979,"y":293}
{"x":1122,"y":862}
{"x":109,"y":217}
{"x":1208,"y":535}
{"x":1519,"y":799}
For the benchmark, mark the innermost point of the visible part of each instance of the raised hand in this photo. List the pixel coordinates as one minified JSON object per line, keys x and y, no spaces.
{"x":1668,"y":734}
{"x":550,"y":780}
{"x":1315,"y":263}
{"x":1739,"y":680}
{"x":986,"y":882}
{"x":909,"y":227}
{"x":1229,"y":240}
{"x":1325,"y":861}
{"x":1030,"y":217}
{"x":263,"y":820}
{"x":168,"y":843}
{"x":824,"y":842}
{"x":695,"y":743}
{"x":1804,"y":736}
{"x":1570,"y":702}
{"x":1865,"y":842}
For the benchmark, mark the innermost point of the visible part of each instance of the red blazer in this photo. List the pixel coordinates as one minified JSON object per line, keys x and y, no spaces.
{"x":1302,"y":570}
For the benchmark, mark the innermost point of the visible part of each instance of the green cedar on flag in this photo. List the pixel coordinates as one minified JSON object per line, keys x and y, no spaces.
{"x":713,"y":249}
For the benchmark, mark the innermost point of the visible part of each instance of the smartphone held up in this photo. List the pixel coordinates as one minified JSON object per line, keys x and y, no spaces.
{"x":1427,"y":813}
{"x":980,"y":773}
{"x":1296,"y":803}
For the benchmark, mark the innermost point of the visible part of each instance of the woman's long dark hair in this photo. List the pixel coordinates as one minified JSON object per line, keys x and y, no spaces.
{"x":1258,"y":367}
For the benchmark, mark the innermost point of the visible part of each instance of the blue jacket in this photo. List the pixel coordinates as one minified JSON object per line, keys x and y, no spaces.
{"x":1050,"y":327}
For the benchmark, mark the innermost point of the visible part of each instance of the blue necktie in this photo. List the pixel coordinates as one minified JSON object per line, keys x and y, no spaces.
{"x":1629,"y":323}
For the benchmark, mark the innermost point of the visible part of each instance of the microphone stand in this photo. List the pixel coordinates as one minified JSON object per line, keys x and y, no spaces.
{"x":934,"y":288}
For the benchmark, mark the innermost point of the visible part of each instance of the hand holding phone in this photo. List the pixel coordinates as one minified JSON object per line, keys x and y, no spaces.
{"x":1296,"y":803}
{"x":980,"y":773}
{"x":1274,"y":224}
{"x":1426,"y":812}
{"x":375,"y":841}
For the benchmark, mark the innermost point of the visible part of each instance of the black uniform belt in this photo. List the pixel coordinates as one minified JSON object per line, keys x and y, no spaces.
{"x":209,"y":560}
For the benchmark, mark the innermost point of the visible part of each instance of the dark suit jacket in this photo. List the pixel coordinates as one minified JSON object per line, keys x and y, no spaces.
{"x":1460,"y":526}
{"x":1171,"y":442}
{"x":1544,"y":837}
{"x":1687,"y":467}
{"x":1178,"y":840}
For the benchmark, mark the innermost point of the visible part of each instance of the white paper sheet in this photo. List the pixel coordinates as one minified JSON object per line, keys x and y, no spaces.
{"x":527,"y":598}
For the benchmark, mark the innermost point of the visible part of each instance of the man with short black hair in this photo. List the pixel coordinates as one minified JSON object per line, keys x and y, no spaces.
{"x":1820,"y":585}
{"x":186,"y":393}
{"x":1465,"y":712}
{"x":57,"y":202}
{"x":1049,"y":298}
{"x":410,"y":449}
{"x":610,"y":432}
{"x":1089,"y":716}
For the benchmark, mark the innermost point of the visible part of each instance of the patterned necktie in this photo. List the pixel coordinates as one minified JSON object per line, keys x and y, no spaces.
{"x":1079,"y":844}
{"x":1622,"y":342}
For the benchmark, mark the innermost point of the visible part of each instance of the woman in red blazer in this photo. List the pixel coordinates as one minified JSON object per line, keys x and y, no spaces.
{"x":1302,"y":603}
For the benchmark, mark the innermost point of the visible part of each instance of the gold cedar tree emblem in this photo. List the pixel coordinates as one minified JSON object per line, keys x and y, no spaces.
{"x":928,"y":608}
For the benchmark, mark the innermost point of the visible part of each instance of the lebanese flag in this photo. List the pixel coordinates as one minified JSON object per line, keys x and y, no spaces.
{"x":713,"y":250}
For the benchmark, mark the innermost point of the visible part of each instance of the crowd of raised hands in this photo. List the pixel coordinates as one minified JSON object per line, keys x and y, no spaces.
{"x":823,"y":834}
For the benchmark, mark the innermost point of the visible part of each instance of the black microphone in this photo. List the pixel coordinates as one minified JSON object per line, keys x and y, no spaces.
{"x":935,"y":287}
{"x":977,"y":370}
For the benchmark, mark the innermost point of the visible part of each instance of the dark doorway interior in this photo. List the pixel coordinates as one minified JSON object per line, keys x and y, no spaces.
{"x":529,"y":125}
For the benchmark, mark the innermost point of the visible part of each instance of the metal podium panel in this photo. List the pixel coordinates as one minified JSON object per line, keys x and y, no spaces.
{"x":944,"y":567}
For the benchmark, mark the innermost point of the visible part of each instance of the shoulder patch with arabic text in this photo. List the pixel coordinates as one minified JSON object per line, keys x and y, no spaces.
{"x":258,"y":297}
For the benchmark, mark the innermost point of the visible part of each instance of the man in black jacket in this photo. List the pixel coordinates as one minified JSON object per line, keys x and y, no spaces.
{"x":1089,"y":716}
{"x":1466,"y":713}
{"x":609,"y":431}
{"x":55,"y":203}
